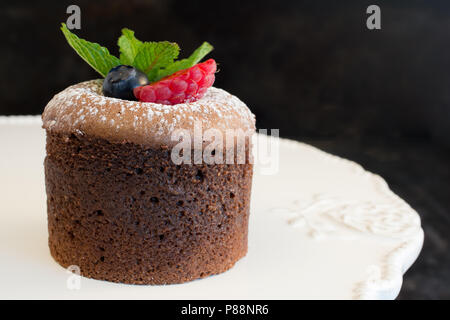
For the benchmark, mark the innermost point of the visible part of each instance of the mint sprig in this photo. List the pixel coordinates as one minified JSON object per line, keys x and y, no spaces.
{"x":155,"y":59}
{"x":129,"y":46}
{"x":153,"y":56}
{"x":193,"y":59}
{"x":96,"y":56}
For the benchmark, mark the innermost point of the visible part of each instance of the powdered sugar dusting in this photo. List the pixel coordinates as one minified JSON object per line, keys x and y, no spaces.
{"x":83,"y":107}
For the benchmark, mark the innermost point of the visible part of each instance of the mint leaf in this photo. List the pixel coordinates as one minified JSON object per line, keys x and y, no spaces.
{"x":155,"y":59}
{"x":155,"y":55}
{"x":129,"y":46}
{"x":96,"y":56}
{"x":193,"y":59}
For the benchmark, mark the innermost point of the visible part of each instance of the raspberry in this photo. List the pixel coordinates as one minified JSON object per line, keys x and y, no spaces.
{"x":182,"y":86}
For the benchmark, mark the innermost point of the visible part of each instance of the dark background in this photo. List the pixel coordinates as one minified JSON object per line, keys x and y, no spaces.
{"x":310,"y":68}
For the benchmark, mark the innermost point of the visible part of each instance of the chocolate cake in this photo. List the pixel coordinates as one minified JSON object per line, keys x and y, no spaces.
{"x":121,"y":209}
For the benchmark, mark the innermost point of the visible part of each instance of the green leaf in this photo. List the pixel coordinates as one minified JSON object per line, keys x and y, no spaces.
{"x":193,"y":59}
{"x":129,"y":46}
{"x":155,"y":55}
{"x":155,"y":59}
{"x":96,"y":56}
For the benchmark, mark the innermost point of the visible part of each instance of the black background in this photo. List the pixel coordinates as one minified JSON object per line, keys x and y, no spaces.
{"x":310,"y":68}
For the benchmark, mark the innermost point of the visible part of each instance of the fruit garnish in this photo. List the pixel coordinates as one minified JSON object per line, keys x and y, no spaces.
{"x":157,"y":60}
{"x":182,"y":86}
{"x":121,"y":80}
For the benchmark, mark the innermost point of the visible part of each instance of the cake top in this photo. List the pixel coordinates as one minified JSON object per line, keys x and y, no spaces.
{"x":83,"y":109}
{"x":173,"y":95}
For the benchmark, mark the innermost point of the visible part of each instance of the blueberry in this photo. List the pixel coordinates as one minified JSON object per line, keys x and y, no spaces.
{"x":121,"y":80}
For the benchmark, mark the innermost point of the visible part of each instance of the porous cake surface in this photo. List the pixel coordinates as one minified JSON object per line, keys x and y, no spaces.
{"x":126,"y":213}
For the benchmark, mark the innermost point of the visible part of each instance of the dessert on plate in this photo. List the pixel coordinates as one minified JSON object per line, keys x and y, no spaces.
{"x":119,"y":207}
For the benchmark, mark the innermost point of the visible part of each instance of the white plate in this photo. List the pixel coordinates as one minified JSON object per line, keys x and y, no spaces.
{"x":321,"y":228}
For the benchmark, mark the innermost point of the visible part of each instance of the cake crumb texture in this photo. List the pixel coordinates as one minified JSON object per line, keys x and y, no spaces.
{"x":126,"y":213}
